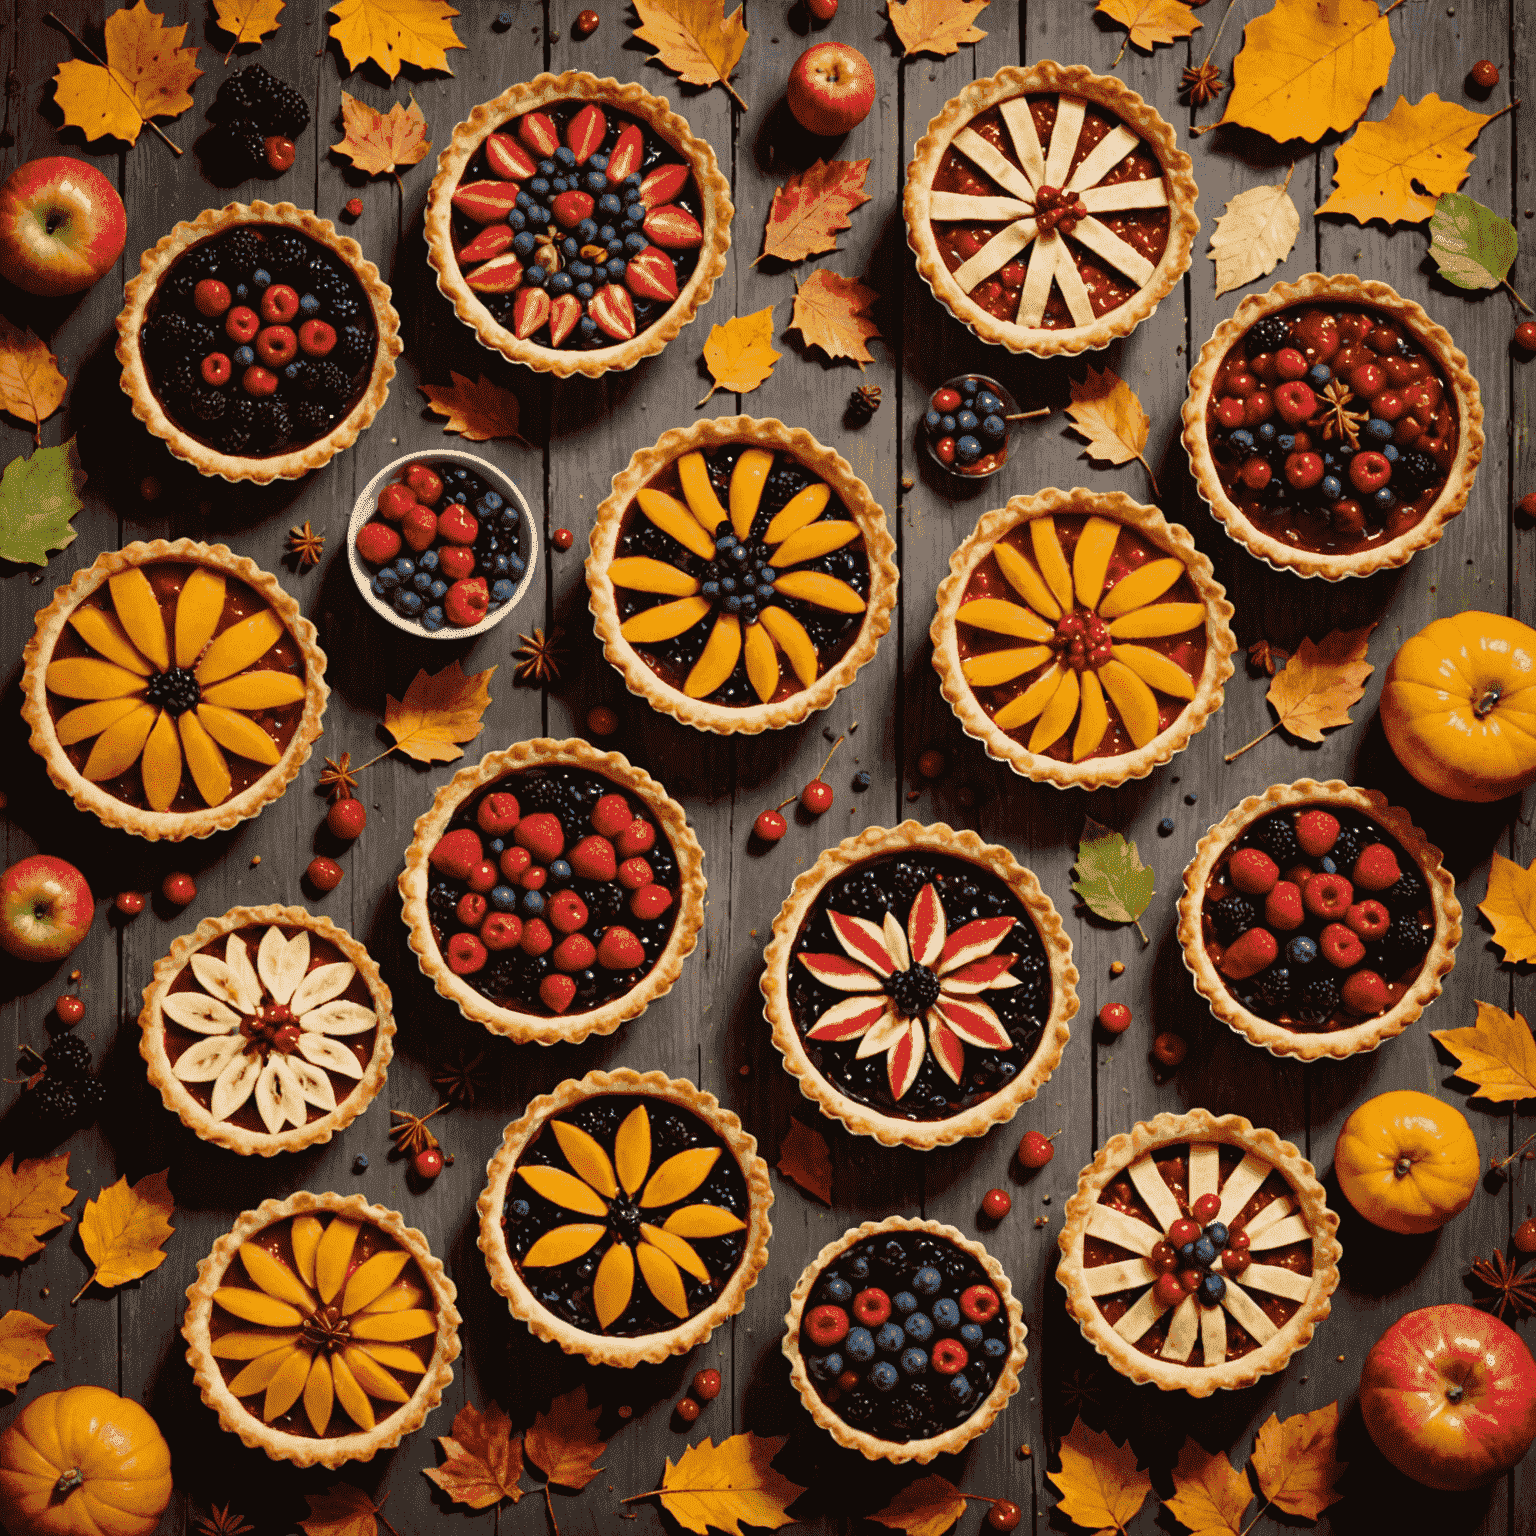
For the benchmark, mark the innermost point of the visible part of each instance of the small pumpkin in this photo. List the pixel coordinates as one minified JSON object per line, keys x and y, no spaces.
{"x":1407,"y":1162}
{"x":83,"y":1462}
{"x":1459,"y":706}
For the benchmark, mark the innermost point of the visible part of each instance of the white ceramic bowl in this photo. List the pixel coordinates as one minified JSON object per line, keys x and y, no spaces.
{"x":497,"y":479}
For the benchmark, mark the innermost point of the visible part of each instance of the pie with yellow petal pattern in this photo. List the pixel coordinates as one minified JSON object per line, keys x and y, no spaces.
{"x":740,"y":574}
{"x":173,"y":689}
{"x":1081,"y":637}
{"x":321,"y":1329}
{"x":625,"y":1217}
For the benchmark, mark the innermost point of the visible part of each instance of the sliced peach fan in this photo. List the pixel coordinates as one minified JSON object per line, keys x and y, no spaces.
{"x":163,"y":713}
{"x":1083,"y":636}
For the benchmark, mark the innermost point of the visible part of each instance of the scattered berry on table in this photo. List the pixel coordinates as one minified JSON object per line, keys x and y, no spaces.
{"x":279,"y":152}
{"x":602,"y":721}
{"x":354,"y":208}
{"x":347,"y":818}
{"x":586,"y":23}
{"x":688,"y":1410}
{"x":770,"y":826}
{"x":1525,"y":336}
{"x":179,"y":889}
{"x":1115,"y":1017}
{"x":707,"y":1385}
{"x":68,"y":1056}
{"x":1169,"y":1049}
{"x":360,"y":1163}
{"x":562,"y":539}
{"x":996,"y":1204}
{"x":1485,"y":74}
{"x":861,"y":780}
{"x":129,"y":903}
{"x":324,"y":874}
{"x":1165,"y":827}
{"x":1004,"y":1515}
{"x":1525,"y":1235}
{"x":1527,"y":505}
{"x":822,"y":10}
{"x":932,"y":764}
{"x":503,"y":21}
{"x":69,"y":1010}
{"x":428,"y":1162}
{"x":1190,"y":799}
{"x":816,"y":797}
{"x":1117,"y":968}
{"x":1036,"y":1149}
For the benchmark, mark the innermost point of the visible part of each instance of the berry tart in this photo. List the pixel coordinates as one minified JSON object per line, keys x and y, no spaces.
{"x":740,"y":575}
{"x":321,"y":1329}
{"x":1050,"y":209}
{"x":173,"y":689}
{"x":904,"y":1339}
{"x":576,"y":224}
{"x":1333,"y":427}
{"x":257,"y":342}
{"x":625,"y":1217}
{"x":267,"y":1030}
{"x":1081,"y":637}
{"x":1198,"y":1253}
{"x":553,"y":891}
{"x":1317,"y":920}
{"x":919,"y":984}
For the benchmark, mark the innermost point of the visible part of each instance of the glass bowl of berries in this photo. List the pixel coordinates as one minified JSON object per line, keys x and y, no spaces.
{"x":966,"y":427}
{"x":442,"y":544}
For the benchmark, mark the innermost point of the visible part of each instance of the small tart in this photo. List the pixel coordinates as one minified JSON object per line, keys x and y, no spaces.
{"x":740,"y":574}
{"x":173,"y":689}
{"x":1333,"y":427}
{"x":924,"y":1317}
{"x":280,"y":283}
{"x":267,"y":1029}
{"x":321,"y":1329}
{"x":1255,"y":1268}
{"x":1050,"y":209}
{"x":553,"y":891}
{"x":919,"y":984}
{"x":516,"y":212}
{"x":1081,"y":637}
{"x":625,"y":1217}
{"x":1333,"y":971}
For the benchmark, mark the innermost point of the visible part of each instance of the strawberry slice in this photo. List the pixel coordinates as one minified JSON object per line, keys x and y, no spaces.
{"x":486,"y":202}
{"x":491,"y":241}
{"x":564,"y":312}
{"x":537,"y":131}
{"x":506,"y":158}
{"x":663,"y":184}
{"x":614,"y":312}
{"x":585,"y":133}
{"x":673,"y":227}
{"x":530,"y":309}
{"x":501,"y":274}
{"x":625,"y":159}
{"x":651,"y":275}
{"x":570,"y":208}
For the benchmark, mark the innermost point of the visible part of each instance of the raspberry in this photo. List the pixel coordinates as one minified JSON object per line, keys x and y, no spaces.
{"x":1317,"y":832}
{"x":1253,"y":872}
{"x":1283,"y":908}
{"x":1341,"y":946}
{"x":1327,"y":895}
{"x":1366,"y":993}
{"x":1249,"y":954}
{"x":1369,"y":919}
{"x":1376,"y":868}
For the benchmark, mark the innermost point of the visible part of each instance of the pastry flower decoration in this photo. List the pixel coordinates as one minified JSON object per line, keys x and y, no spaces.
{"x":616,"y":1196}
{"x":1044,"y":204}
{"x":268,"y":1028}
{"x":918,"y":990}
{"x":163,"y":700}
{"x":741,"y":576}
{"x":1082,"y":634}
{"x":325,"y":1331}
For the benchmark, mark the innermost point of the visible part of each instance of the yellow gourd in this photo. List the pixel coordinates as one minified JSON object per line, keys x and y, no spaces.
{"x":1407,"y":1162}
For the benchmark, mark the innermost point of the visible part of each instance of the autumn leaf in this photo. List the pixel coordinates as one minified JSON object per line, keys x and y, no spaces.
{"x":695,"y":39}
{"x":811,"y":207}
{"x":723,"y":1485}
{"x":1105,"y":410}
{"x":927,"y":1507}
{"x":1497,"y":1053}
{"x":342,"y":1510}
{"x":378,"y":142}
{"x":739,"y":354}
{"x":1315,"y":689}
{"x":1297,"y":1462}
{"x":38,"y":497}
{"x":23,"y":1347}
{"x":33,"y":1195}
{"x":31,"y":386}
{"x":247,"y":21}
{"x":1149,"y":22}
{"x":478,"y":411}
{"x":1102,"y":1487}
{"x":563,"y":1442}
{"x":935,"y":26}
{"x":1510,"y":906}
{"x":1472,"y":245}
{"x":122,"y":1230}
{"x":804,"y":1159}
{"x":1254,"y":235}
{"x":437,"y":712}
{"x":1111,"y":879}
{"x":832,"y":312}
{"x":1209,"y":1494}
{"x":484,"y":1459}
{"x":395,"y":32}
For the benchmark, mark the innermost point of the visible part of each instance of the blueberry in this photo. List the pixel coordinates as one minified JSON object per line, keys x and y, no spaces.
{"x":609,"y":203}
{"x":535,"y":276}
{"x":504,"y":898}
{"x":566,"y":155}
{"x":438,"y":590}
{"x":635,"y":213}
{"x":241,"y":293}
{"x":1384,"y":499}
{"x":408,"y":603}
{"x":733,"y":604}
{"x":547,"y":167}
{"x":539,"y":186}
{"x":1205,"y":1252}
{"x":837,"y":1290}
{"x":965,"y":421}
{"x":596,"y":182}
{"x":615,"y":245}
{"x":586,"y":231}
{"x":987,"y":402}
{"x":1265,"y":432}
{"x":633,"y":180}
{"x":1328,"y":866}
{"x":826,"y":1367}
{"x":858,"y":1268}
{"x":1301,"y":950}
{"x":914,"y":1361}
{"x":904,"y":1302}
{"x":883,"y":1376}
{"x":1165,"y":827}
{"x":434,"y":618}
{"x":1331,"y":487}
{"x":559,"y":872}
{"x":861,"y":779}
{"x":635,"y":242}
{"x":517,"y":219}
{"x":860,"y":1345}
{"x":422,"y":581}
{"x":764,"y":592}
{"x":890,"y":1338}
{"x":919,"y":1327}
{"x":1389,"y":453}
{"x":1379,"y":429}
{"x":1186,"y":1253}
{"x":1286,"y":442}
{"x":570,"y":246}
{"x":709,"y":589}
{"x":1212,"y":1289}
{"x":587,"y":325}
{"x":584,"y":291}
{"x":360,"y":1163}
{"x":580,"y":270}
{"x":405,"y":566}
{"x":533,"y":904}
{"x":969,"y":386}
{"x":959,"y":1388}
{"x":598,"y":162}
{"x":994,"y":428}
{"x":388,"y":578}
{"x":1218,"y":1234}
{"x":294,"y":371}
{"x":1242,"y":440}
{"x":947,"y":425}
{"x":970,"y":1335}
{"x":927,"y":1281}
{"x":1319,"y":375}
{"x":309,"y":304}
{"x":559,"y":184}
{"x":614,"y":270}
{"x":946,"y":1312}
{"x":502,"y":590}
{"x":967,"y":449}
{"x":261,"y":277}
{"x":607,"y":234}
{"x":994,"y":1348}
{"x":500,"y":564}
{"x":561,"y":282}
{"x":496,"y":845}
{"x":244,"y":357}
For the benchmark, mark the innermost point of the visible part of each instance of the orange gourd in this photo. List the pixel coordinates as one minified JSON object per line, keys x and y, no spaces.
{"x":1459,"y":706}
{"x":1407,"y":1162}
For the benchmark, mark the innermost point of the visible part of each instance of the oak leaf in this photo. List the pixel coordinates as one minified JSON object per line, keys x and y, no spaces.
{"x":1209,"y":1494}
{"x":1316,"y":688}
{"x":1102,"y":1487}
{"x":33,"y":1195}
{"x":832,"y":312}
{"x":1105,"y":410}
{"x":1510,"y":906}
{"x":38,"y":497}
{"x":1254,"y":235}
{"x":247,"y":21}
{"x":31,"y":386}
{"x":23,"y":1347}
{"x":723,"y":1485}
{"x":395,"y":32}
{"x":935,"y":26}
{"x":1306,"y":68}
{"x":478,"y":411}
{"x":342,"y":1510}
{"x":147,"y":74}
{"x":563,"y":1442}
{"x":378,"y":142}
{"x":1498,"y":1053}
{"x":695,"y":39}
{"x":927,"y":1507}
{"x":1149,"y":22}
{"x":811,"y":207}
{"x":484,"y":1459}
{"x":438,"y":711}
{"x":739,"y":354}
{"x":1111,"y":879}
{"x":1472,"y":246}
{"x":123,"y":1230}
{"x":805,"y":1159}
{"x":1297,"y":1462}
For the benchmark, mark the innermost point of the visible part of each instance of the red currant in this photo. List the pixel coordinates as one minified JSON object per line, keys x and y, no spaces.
{"x":562,"y":539}
{"x":1255,"y":473}
{"x":602,"y":721}
{"x":1004,"y":1515}
{"x":931,"y":764}
{"x":980,"y":1303}
{"x":129,"y":903}
{"x":1485,"y":74}
{"x":1170,"y":1049}
{"x":211,"y":297}
{"x":428,"y":1163}
{"x":1205,"y":1208}
{"x":286,"y":1039}
{"x":707,"y":1385}
{"x":1525,"y":336}
{"x":996,"y":1204}
{"x":280,"y":152}
{"x":354,"y":208}
{"x":1036,"y":1150}
{"x":945,"y":400}
{"x":324,"y":874}
{"x":688,"y":1410}
{"x":1115,"y":1018}
{"x":586,"y":23}
{"x":1183,"y":1231}
{"x":1162,"y":1259}
{"x":347,"y":818}
{"x":1168,"y":1289}
{"x":1229,"y":411}
{"x":1525,"y":1235}
{"x":816,"y":797}
{"x":70,"y":1009}
{"x":770,"y":826}
{"x":179,"y":889}
{"x":945,"y":450}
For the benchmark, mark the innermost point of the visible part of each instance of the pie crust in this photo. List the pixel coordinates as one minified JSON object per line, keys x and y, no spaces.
{"x":570,"y":1028}
{"x":1369,"y":1033}
{"x":1149,"y":524}
{"x":304,"y":1450}
{"x":1264,"y":1147}
{"x":649,"y":1348}
{"x":1345,"y":288}
{"x":861,"y":1119}
{"x":871,"y":1447}
{"x":153,"y":266}
{"x":656,"y":111}
{"x":835,"y":471}
{"x":200,"y":1119}
{"x":174,"y":826}
{"x":1118,"y":100}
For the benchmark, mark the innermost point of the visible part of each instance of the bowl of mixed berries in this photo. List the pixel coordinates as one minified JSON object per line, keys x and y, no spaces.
{"x":442,"y":544}
{"x":965,"y":428}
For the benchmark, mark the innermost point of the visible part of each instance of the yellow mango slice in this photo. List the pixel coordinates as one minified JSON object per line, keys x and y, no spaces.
{"x":392,"y":1327}
{"x":372,"y":1278}
{"x":747,"y":481}
{"x":1092,"y":719}
{"x":287,"y":1384}
{"x":305,"y":1235}
{"x":210,"y":772}
{"x":197,"y":614}
{"x":319,"y":1394}
{"x":1156,"y":670}
{"x":1140,"y":587}
{"x":398,"y":1358}
{"x":613,"y":1284}
{"x":702,"y":1221}
{"x":762,"y":662}
{"x":353,"y":1399}
{"x":813,"y":541}
{"x":586,"y":1156}
{"x":563,"y":1244}
{"x":564,"y":1189}
{"x":823,"y":590}
{"x":642,"y":574}
{"x":1090,"y":560}
{"x":693,"y":475}
{"x":794,"y":640}
{"x":802,"y":508}
{"x":632,"y":1149}
{"x":993,"y":667}
{"x":663,"y":1280}
{"x":257,"y":1376}
{"x":256,"y":690}
{"x":679,"y":1176}
{"x":1132,"y":698}
{"x":257,"y":1307}
{"x":138,"y":611}
{"x":1157,"y":619}
{"x":396,"y":1299}
{"x":239,"y":646}
{"x":1027,"y":705}
{"x":675,"y":1249}
{"x":1026,"y":580}
{"x":1052,"y":560}
{"x":89,"y":720}
{"x":999,"y":617}
{"x":101,"y":631}
{"x":333,"y":1257}
{"x":89,"y":677}
{"x":373,"y":1378}
{"x":250,"y":1346}
{"x":1057,"y":715}
{"x":665,"y":621}
{"x":160,"y":763}
{"x":238,"y":733}
{"x":672,"y":517}
{"x":718,"y":658}
{"x":275,"y":1278}
{"x":118,"y":745}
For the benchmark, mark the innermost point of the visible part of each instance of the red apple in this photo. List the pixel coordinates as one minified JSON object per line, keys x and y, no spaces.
{"x":62,"y":226}
{"x":45,"y":908}
{"x":831,"y":89}
{"x":1448,"y":1394}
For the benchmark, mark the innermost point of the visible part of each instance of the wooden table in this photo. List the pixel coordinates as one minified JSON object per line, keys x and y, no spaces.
{"x":710,"y":1027}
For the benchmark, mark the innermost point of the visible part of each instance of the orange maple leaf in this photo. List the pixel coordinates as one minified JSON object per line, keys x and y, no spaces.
{"x":395,"y":32}
{"x":563,"y":1442}
{"x":484,"y":1459}
{"x":1297,"y":1462}
{"x":811,"y":207}
{"x":935,"y":26}
{"x":31,"y":386}
{"x":1510,"y":906}
{"x":1209,"y":1493}
{"x":33,"y":1195}
{"x":438,"y":711}
{"x":831,"y":312}
{"x":478,"y":411}
{"x":23,"y":1347}
{"x":247,"y":21}
{"x":1149,"y":22}
{"x":342,"y":1510}
{"x":377,"y":142}
{"x":1498,"y":1053}
{"x":739,"y":354}
{"x":1315,"y":689}
{"x":805,"y":1159}
{"x":1102,"y":1486}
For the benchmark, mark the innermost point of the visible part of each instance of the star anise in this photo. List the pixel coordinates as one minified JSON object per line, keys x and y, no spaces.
{"x":411,"y":1135}
{"x":1266,"y":658}
{"x":1512,"y":1290}
{"x":305,"y":545}
{"x":1336,"y":419}
{"x":222,"y":1522}
{"x":540,"y":657}
{"x":1201,"y":83}
{"x":1079,"y":1395}
{"x":459,"y":1080}
{"x":337,"y":778}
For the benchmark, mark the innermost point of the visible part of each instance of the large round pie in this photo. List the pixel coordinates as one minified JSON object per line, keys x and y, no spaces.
{"x":625,"y":1217}
{"x":1050,"y":209}
{"x":173,"y":689}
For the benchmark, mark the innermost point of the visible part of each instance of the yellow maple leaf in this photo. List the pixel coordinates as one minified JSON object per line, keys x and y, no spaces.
{"x":342,"y":1510}
{"x":927,"y":1507}
{"x":935,"y":26}
{"x":438,"y":711}
{"x":23,"y":1347}
{"x":376,"y":142}
{"x":1149,"y":22}
{"x":1254,"y":235}
{"x":832,"y":312}
{"x":1105,"y":410}
{"x":723,"y":1485}
{"x":1498,"y":1054}
{"x":247,"y":21}
{"x":1209,"y":1494}
{"x":33,"y":1195}
{"x":740,"y":353}
{"x":1297,"y":1462}
{"x":563,"y":1442}
{"x":1313,"y":692}
{"x":1102,"y":1486}
{"x":122,"y":1230}
{"x":695,"y":39}
{"x":478,"y":411}
{"x":484,"y":1459}
{"x":1306,"y":68}
{"x":1510,"y":906}
{"x":395,"y":32}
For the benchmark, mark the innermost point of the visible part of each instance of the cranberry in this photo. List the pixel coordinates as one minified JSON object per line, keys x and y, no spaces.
{"x":1255,"y":473}
{"x":562,"y":539}
{"x":872,"y":1307}
{"x":1235,"y":1260}
{"x":1484,"y":74}
{"x":482,"y":876}
{"x":279,"y":152}
{"x":347,"y":817}
{"x":501,"y":930}
{"x":1238,"y":1238}
{"x":324,"y":874}
{"x":1348,"y":518}
{"x":1290,"y":364}
{"x":1262,"y":366}
{"x":179,"y":889}
{"x":586,"y":23}
{"x":353,"y":208}
{"x":1035,"y":1149}
{"x":211,"y":297}
{"x":1004,"y":1514}
{"x":1169,"y":1290}
{"x":428,"y":1163}
{"x":471,"y":909}
{"x":316,"y":338}
{"x":688,"y":1410}
{"x":996,"y":1204}
{"x":1189,"y":1280}
{"x":1525,"y":1235}
{"x":826,"y":1325}
{"x":1304,"y":470}
{"x":944,"y":450}
{"x":1526,"y":506}
{"x":1295,"y":402}
{"x":1206,"y":1207}
{"x":1525,"y":336}
{"x":1229,"y":412}
{"x":1162,"y":1259}
{"x":1369,"y":471}
{"x":1368,"y":379}
{"x":816,"y":797}
{"x":69,"y":1010}
{"x":707,"y":1385}
{"x":258,"y":381}
{"x":1258,"y":407}
{"x":1242,"y":385}
{"x":216,"y":369}
{"x":1169,"y":1049}
{"x":1115,"y":1018}
{"x":1183,"y":1231}
{"x":980,"y":1303}
{"x":129,"y":903}
{"x":1389,"y":405}
{"x":950,"y":1357}
{"x":1382,"y":340}
{"x":466,"y":954}
{"x":945,"y":400}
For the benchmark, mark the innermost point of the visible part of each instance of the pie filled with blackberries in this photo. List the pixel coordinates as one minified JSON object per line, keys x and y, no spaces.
{"x":553,"y":891}
{"x":576,"y":224}
{"x":257,"y":342}
{"x":1333,"y":427}
{"x":1050,"y":209}
{"x":919,"y":984}
{"x":740,"y":574}
{"x":1198,"y":1252}
{"x":1317,"y":920}
{"x":904,"y":1339}
{"x":626,"y":1217}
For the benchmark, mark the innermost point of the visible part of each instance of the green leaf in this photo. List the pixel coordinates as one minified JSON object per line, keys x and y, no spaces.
{"x":38,"y":496}
{"x":1474,"y":246}
{"x":1111,"y":878}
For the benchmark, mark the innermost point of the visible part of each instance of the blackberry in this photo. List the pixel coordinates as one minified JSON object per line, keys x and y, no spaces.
{"x":68,"y":1056}
{"x":209,"y":404}
{"x":1319,"y":1000}
{"x":1269,"y":335}
{"x":244,"y":248}
{"x":327,"y":382}
{"x":1415,"y":472}
{"x":1347,"y":847}
{"x":442,"y":899}
{"x":274,"y":104}
{"x":1233,"y":915}
{"x":863,"y":896}
{"x":1407,"y":895}
{"x":1277,"y":837}
{"x":203,"y":339}
{"x":169,"y":336}
{"x":238,"y":431}
{"x":605,"y":903}
{"x":910,"y":879}
{"x":314,"y":416}
{"x":1273,"y":988}
{"x":178,"y":377}
{"x":234,"y":438}
{"x":286,"y":253}
{"x":55,"y":1100}
{"x":354,"y":346}
{"x":277,"y":424}
{"x":91,"y":1095}
{"x":246,"y":142}
{"x":1407,"y":937}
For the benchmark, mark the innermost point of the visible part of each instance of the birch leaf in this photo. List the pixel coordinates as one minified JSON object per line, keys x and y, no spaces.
{"x":1472,"y":245}
{"x":1254,"y":235}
